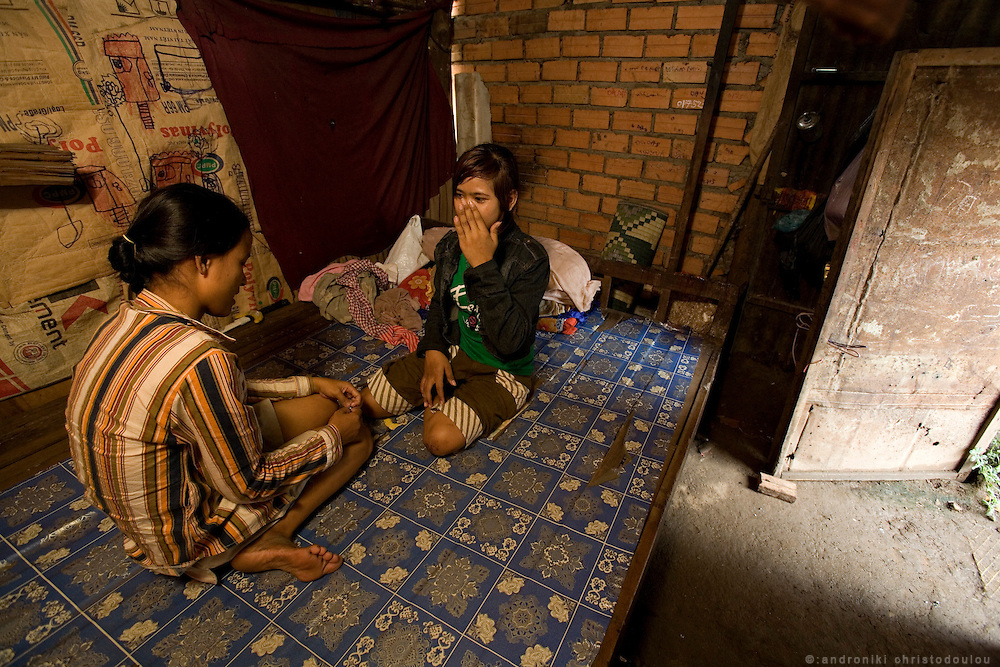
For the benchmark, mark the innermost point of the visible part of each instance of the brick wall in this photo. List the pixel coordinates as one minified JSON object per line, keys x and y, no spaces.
{"x":599,"y":99}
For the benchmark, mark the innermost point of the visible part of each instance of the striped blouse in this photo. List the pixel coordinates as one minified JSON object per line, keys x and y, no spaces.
{"x":166,"y":443}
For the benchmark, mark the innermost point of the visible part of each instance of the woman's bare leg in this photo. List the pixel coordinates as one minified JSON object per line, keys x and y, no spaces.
{"x":441,"y":436}
{"x":275,"y":549}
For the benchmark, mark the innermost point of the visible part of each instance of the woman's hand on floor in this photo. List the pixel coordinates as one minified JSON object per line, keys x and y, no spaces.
{"x":339,"y":391}
{"x":436,"y":369}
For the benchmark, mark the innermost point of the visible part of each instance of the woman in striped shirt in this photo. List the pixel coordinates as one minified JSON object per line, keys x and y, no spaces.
{"x":169,"y":437}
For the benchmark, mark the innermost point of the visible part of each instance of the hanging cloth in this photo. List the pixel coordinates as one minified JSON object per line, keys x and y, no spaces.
{"x":343,"y":124}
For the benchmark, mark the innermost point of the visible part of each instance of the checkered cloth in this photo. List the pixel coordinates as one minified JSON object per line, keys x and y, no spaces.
{"x":361,"y":309}
{"x":635,"y":232}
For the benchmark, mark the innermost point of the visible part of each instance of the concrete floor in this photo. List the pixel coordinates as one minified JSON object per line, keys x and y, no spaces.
{"x":851,"y":573}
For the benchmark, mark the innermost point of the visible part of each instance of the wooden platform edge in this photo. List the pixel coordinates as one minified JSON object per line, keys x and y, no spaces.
{"x":782,"y":489}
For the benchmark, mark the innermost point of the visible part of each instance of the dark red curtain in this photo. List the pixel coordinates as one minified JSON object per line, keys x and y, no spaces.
{"x":343,"y":123}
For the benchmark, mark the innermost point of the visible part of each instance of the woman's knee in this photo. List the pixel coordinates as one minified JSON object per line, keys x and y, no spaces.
{"x":441,"y":436}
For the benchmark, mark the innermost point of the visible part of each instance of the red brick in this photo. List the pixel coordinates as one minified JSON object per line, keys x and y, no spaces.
{"x":597,"y":243}
{"x":685,"y":71}
{"x":727,"y":127}
{"x":506,"y":134}
{"x":682,"y":149}
{"x":650,"y":98}
{"x":541,"y":47}
{"x":586,"y":162}
{"x":637,"y":190}
{"x":466,"y":7}
{"x":607,"y":19}
{"x":609,"y":97}
{"x":523,"y":71}
{"x":731,"y":153}
{"x":503,"y":94}
{"x":756,"y":16}
{"x":620,"y":166}
{"x":598,"y":70}
{"x":549,"y":196}
{"x":533,"y":22}
{"x":559,"y":70}
{"x":676,"y":123}
{"x":652,"y":146}
{"x":602,"y":184}
{"x":632,"y":121}
{"x":718,"y":202}
{"x":646,"y":71}
{"x":513,"y":5}
{"x":741,"y":74}
{"x":703,"y":46}
{"x":536,"y":94}
{"x":581,"y":46}
{"x":651,"y":18}
{"x":518,"y":115}
{"x":463,"y":27}
{"x":540,"y":136}
{"x":668,"y":46}
{"x":492,"y":26}
{"x":764,"y":44}
{"x":660,"y":170}
{"x":582,"y":202}
{"x":546,"y":231}
{"x":579,"y":94}
{"x":508,"y":49}
{"x":567,"y":180}
{"x":593,"y":119}
{"x":669,"y":194}
{"x":595,"y":222}
{"x":575,"y":239}
{"x":568,"y":19}
{"x":705,"y":223}
{"x":699,"y":17}
{"x":573,"y":138}
{"x":609,"y":205}
{"x":528,"y":209}
{"x":740,"y":101}
{"x":463,"y":68}
{"x":608,"y":141}
{"x":492,"y":72}
{"x":692,"y":266}
{"x":497,"y":113}
{"x":715,"y":176}
{"x":688,"y":98}
{"x":553,"y":115}
{"x":481,"y":51}
{"x":563,"y":216}
{"x":546,"y":4}
{"x":622,"y":46}
{"x":551,"y":157}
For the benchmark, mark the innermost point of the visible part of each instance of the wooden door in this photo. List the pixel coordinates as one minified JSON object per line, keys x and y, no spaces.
{"x":906,"y":367}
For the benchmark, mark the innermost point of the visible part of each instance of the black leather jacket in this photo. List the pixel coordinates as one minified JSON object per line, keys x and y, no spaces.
{"x":508,"y":290}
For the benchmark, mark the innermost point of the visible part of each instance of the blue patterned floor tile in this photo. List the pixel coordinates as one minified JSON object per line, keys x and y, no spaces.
{"x":57,"y":536}
{"x":274,"y":647}
{"x":272,"y":368}
{"x":603,"y":367}
{"x":522,"y":620}
{"x":571,"y":416}
{"x":583,"y":641}
{"x":32,"y":613}
{"x":646,"y":404}
{"x":492,"y":527}
{"x":562,"y":560}
{"x":93,"y":571}
{"x":267,"y":592}
{"x":338,"y":336}
{"x":590,"y":510}
{"x":548,"y":446}
{"x":473,"y":466}
{"x":686,"y":365}
{"x":678,"y":389}
{"x":644,"y":377}
{"x":628,"y":525}
{"x":407,"y":439}
{"x":37,"y":497}
{"x":560,"y":355}
{"x":212,"y":631}
{"x":589,"y":459}
{"x":77,"y":643}
{"x":645,"y":477}
{"x":669,"y":413}
{"x":614,"y":346}
{"x":515,"y":430}
{"x":470,"y":654}
{"x":14,"y":570}
{"x":522,"y":482}
{"x":384,"y":477}
{"x":588,"y":390}
{"x":434,"y":501}
{"x":339,"y":522}
{"x":338,"y":366}
{"x":144,"y":605}
{"x":633,"y":328}
{"x":372,"y":350}
{"x":403,"y":635}
{"x":606,"y":580}
{"x":391,"y":549}
{"x":452,"y":583}
{"x":551,"y":378}
{"x":306,"y":354}
{"x":658,"y":442}
{"x":329,"y":616}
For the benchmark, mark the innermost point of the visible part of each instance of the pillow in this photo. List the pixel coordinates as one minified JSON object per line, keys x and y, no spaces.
{"x":420,"y":285}
{"x":430,"y":239}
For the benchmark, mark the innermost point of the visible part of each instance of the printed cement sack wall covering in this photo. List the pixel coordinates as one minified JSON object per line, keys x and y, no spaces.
{"x":122,"y":86}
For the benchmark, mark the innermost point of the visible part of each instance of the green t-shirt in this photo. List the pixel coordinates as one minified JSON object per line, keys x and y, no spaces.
{"x":469,"y":327}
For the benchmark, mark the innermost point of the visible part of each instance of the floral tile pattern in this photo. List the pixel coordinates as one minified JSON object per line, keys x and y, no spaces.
{"x":497,"y":556}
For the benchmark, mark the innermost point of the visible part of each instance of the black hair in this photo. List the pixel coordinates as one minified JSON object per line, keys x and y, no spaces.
{"x":493,"y":163}
{"x":172,"y":224}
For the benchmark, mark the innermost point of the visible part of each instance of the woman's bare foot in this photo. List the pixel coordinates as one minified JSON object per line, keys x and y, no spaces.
{"x":277,"y":552}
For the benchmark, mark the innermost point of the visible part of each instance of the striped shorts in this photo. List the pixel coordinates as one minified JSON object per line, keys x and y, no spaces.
{"x":483,"y":398}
